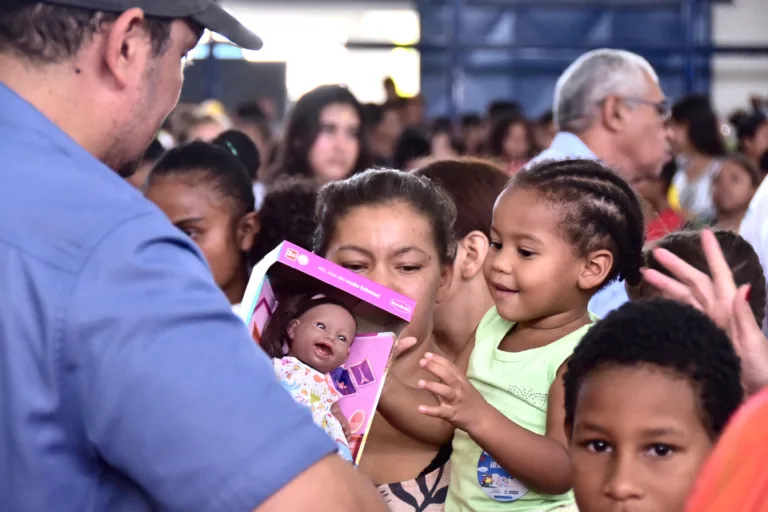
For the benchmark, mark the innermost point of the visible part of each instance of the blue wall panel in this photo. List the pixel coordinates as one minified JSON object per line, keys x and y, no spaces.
{"x":517,"y":51}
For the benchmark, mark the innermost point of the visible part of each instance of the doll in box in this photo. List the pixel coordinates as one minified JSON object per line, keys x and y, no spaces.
{"x":307,"y":344}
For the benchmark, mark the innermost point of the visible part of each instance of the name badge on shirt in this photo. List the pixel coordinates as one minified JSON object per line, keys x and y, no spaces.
{"x":496,"y":482}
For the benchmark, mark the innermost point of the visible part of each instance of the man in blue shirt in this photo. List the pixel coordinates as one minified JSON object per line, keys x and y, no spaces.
{"x":126,"y":384}
{"x":609,"y":106}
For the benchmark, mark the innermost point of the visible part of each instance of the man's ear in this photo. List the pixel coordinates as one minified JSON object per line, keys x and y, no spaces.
{"x":597,"y":266}
{"x":613,"y":113}
{"x":475,"y":247}
{"x":247,"y":229}
{"x":292,"y":326}
{"x":127,"y":48}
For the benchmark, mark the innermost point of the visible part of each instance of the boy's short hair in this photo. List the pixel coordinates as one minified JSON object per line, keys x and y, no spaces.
{"x":739,"y":254}
{"x":287,"y":213}
{"x":671,"y":336}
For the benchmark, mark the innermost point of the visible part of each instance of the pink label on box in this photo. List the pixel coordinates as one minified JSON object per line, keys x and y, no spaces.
{"x":364,"y":289}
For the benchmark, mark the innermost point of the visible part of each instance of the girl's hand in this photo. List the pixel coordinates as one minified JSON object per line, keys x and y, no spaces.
{"x":720,"y":299}
{"x":459,"y":403}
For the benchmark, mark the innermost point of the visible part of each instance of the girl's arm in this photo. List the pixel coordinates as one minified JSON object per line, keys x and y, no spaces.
{"x":540,"y":462}
{"x":399,"y":404}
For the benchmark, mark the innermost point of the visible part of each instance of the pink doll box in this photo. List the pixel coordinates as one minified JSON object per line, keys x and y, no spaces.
{"x":380,"y":312}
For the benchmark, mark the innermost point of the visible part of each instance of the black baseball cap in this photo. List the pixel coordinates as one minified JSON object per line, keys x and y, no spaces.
{"x":206,"y":13}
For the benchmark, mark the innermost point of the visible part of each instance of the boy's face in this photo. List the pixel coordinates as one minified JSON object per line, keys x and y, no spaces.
{"x":637,"y":441}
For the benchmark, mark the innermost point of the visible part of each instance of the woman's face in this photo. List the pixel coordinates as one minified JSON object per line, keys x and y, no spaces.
{"x":516,"y":145}
{"x":207,"y":218}
{"x":678,"y":138}
{"x":394,"y":245}
{"x":333,"y":155}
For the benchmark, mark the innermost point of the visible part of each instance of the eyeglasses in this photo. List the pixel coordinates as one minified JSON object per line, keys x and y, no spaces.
{"x":662,"y":107}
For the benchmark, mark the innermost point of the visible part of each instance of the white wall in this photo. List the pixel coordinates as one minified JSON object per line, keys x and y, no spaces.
{"x":734,"y":79}
{"x":310,"y":38}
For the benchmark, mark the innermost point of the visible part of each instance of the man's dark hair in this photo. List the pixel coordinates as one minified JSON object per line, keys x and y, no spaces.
{"x":668,"y":335}
{"x":42,"y":33}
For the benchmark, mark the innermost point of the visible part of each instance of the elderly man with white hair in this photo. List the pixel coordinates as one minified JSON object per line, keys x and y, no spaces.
{"x":609,"y":106}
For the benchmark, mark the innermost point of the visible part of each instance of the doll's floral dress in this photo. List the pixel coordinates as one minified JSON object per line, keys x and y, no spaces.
{"x":315,"y":391}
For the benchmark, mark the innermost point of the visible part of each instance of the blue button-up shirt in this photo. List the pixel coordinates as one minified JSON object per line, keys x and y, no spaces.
{"x":567,"y":145}
{"x":126,"y":383}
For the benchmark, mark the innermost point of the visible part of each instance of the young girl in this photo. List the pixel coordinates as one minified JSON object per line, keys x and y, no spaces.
{"x":733,"y":189}
{"x":560,"y":232}
{"x":205,"y":191}
{"x":317,"y":336}
{"x":740,"y":256}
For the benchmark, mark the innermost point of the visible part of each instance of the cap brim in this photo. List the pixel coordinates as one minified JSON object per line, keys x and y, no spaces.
{"x":216,"y":19}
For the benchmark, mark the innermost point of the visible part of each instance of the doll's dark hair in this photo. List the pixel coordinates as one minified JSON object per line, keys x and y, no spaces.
{"x":275,"y":337}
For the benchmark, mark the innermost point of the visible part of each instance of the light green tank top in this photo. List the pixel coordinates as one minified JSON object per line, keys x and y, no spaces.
{"x":517,"y":384}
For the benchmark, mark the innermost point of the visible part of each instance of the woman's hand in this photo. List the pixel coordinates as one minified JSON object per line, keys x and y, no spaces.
{"x":719,"y":298}
{"x":402,"y":346}
{"x":459,"y":403}
{"x":336,"y":411}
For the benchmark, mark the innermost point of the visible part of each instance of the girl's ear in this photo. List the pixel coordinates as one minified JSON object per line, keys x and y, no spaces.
{"x":292,"y":326}
{"x":247,"y":230}
{"x":597,"y":266}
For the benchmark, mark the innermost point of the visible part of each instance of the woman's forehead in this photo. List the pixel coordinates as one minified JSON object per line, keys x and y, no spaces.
{"x":384,"y":228}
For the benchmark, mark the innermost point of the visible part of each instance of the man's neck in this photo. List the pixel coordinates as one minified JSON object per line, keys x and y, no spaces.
{"x":56,"y":92}
{"x":601,"y":144}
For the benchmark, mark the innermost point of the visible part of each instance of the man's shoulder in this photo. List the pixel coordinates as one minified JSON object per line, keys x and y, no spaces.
{"x":57,"y":207}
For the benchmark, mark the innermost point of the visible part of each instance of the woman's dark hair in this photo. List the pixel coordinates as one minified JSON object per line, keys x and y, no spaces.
{"x":599,"y":210}
{"x":383,"y":187}
{"x":472,"y":119}
{"x":747,"y":127}
{"x":473,"y":185}
{"x":695,"y":112}
{"x":275,"y":336}
{"x":670,"y":336}
{"x":210,"y":164}
{"x":304,"y":127}
{"x":739,"y":254}
{"x":755,"y":174}
{"x":503,"y":108}
{"x":287,"y":213}
{"x":241,"y":145}
{"x":500,"y":129}
{"x":412,"y":145}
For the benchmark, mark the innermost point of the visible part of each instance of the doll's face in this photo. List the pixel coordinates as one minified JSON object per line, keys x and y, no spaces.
{"x":321,"y":337}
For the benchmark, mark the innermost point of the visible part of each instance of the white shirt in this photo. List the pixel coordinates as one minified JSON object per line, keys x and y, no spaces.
{"x":754,"y":228}
{"x":564,"y":146}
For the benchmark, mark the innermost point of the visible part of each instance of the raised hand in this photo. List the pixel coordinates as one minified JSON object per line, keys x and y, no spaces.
{"x":719,"y":298}
{"x":459,"y":402}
